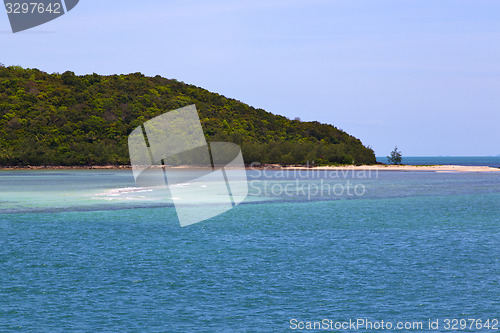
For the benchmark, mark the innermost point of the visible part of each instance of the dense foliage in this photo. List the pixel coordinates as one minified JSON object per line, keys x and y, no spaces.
{"x":64,"y":119}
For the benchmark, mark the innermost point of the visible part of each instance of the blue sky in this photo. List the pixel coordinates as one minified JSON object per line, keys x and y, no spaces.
{"x":423,"y":75}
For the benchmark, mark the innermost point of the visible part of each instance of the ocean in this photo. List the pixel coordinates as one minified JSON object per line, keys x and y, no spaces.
{"x":87,"y":250}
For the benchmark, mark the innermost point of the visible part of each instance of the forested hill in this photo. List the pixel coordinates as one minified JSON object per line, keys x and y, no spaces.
{"x":64,"y":119}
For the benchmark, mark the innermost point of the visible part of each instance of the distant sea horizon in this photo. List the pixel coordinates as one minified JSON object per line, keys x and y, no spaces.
{"x":491,"y":161}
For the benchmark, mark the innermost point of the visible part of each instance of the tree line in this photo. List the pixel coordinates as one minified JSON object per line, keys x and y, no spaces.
{"x":70,"y":120}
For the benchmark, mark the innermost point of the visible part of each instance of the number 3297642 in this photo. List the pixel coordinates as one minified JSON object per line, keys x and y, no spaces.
{"x":33,"y":8}
{"x":471,"y":324}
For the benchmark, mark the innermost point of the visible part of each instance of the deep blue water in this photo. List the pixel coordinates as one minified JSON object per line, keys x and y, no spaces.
{"x":81,"y":251}
{"x":491,"y":161}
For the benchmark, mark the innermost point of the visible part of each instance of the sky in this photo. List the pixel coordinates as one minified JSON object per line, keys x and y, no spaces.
{"x":423,"y":75}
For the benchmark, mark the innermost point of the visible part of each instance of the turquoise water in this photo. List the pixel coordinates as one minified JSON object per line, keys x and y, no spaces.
{"x":492,"y":161}
{"x":88,"y":251}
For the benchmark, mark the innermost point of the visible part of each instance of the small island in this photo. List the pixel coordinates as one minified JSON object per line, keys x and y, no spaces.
{"x":66,"y":120}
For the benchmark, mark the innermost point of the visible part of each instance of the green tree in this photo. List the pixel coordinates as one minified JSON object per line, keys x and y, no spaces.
{"x":396,"y":156}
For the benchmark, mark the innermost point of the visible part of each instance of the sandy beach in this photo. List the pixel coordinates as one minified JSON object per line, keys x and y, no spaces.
{"x":434,"y":168}
{"x":378,"y":167}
